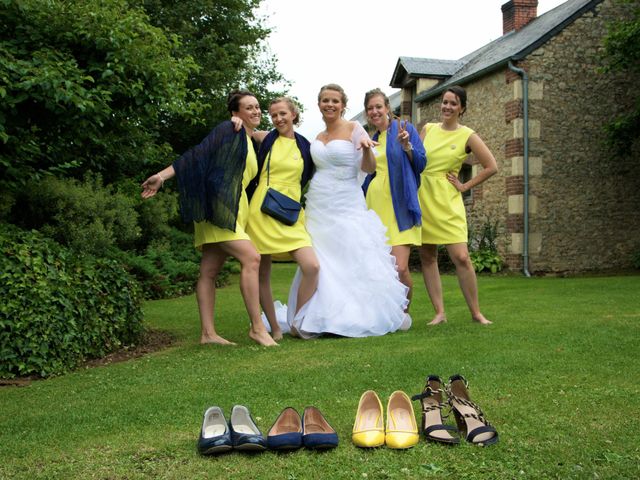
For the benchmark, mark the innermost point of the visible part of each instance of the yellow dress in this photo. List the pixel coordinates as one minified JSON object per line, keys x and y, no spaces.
{"x":206,"y":232}
{"x":379,"y":200}
{"x":444,"y":219}
{"x":268,"y":234}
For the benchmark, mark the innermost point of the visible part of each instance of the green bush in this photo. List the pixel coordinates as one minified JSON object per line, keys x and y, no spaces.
{"x":483,"y":248}
{"x":636,"y":260}
{"x":59,"y":308}
{"x":85,"y":216}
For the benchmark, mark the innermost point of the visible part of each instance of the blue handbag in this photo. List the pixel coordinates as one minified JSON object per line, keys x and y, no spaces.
{"x":277,"y":205}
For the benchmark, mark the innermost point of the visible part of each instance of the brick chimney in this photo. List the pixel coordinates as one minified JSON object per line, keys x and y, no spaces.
{"x":517,"y":13}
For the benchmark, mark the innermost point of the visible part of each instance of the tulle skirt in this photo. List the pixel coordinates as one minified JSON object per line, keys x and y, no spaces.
{"x":359,"y":293}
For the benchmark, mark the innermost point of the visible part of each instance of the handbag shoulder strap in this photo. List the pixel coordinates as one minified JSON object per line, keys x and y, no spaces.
{"x":268,"y":163}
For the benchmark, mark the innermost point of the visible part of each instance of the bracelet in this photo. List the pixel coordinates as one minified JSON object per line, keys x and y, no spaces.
{"x":161,"y":180}
{"x":408,"y":149}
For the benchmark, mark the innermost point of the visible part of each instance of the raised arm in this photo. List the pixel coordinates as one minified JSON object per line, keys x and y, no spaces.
{"x":360,"y":138}
{"x":486,"y":159}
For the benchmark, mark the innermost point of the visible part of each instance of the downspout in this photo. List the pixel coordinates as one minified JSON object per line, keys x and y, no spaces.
{"x":525,"y":166}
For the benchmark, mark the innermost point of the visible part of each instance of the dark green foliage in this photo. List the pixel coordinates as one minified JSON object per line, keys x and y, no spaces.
{"x":59,"y":308}
{"x":228,"y":42}
{"x":622,"y":55}
{"x":83,"y":87}
{"x":483,"y":248}
{"x":85,"y":216}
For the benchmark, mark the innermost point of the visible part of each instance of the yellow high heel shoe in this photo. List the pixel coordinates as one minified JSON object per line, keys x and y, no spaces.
{"x":368,"y":429}
{"x":402,"y":430}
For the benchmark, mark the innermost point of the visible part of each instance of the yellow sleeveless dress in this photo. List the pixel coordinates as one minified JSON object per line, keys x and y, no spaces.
{"x":444,"y":219}
{"x":379,"y":200}
{"x":206,"y":232}
{"x":268,"y":234}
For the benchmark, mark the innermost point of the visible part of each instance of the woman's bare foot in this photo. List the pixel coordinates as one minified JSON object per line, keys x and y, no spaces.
{"x":262,"y":338}
{"x":215,"y":339}
{"x":438,"y":319}
{"x":480,"y":319}
{"x":276,"y":334}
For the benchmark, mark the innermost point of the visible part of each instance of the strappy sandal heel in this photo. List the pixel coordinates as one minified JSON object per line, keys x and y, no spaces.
{"x":469,"y":417}
{"x":432,"y":405}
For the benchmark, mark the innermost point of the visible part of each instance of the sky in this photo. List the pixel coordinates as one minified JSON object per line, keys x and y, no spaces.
{"x":357,"y":43}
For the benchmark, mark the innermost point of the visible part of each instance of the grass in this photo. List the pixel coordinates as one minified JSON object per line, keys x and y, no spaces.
{"x":557,"y":374}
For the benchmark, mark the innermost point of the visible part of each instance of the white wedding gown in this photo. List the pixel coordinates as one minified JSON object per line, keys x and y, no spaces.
{"x":359,"y":293}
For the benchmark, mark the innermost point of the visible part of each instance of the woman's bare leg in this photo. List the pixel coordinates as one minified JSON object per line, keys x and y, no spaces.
{"x":249,"y":259}
{"x":210,"y":265}
{"x":459,"y":254}
{"x":306,"y":259}
{"x":266,"y":297}
{"x":431,"y":275}
{"x":401,"y":253}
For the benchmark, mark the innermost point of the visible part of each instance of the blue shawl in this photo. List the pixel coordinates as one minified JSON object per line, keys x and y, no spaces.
{"x":404,"y":175}
{"x":209,"y":177}
{"x":303,"y":145}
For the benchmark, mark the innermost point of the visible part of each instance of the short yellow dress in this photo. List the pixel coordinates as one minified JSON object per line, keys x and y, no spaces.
{"x":379,"y":200}
{"x":206,"y":232}
{"x":444,"y":220}
{"x":269,"y":235}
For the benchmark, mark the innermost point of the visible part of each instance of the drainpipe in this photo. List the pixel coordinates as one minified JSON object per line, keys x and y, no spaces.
{"x":525,"y":113}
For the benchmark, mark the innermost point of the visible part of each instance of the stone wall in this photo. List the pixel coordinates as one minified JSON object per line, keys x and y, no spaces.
{"x":587,"y":214}
{"x":584,"y":203}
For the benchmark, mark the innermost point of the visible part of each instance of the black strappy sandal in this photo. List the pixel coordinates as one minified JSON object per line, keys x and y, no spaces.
{"x":432,"y":424}
{"x":469,"y":417}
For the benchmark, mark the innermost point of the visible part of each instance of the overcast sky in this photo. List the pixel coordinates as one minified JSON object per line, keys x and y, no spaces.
{"x":356,"y":43}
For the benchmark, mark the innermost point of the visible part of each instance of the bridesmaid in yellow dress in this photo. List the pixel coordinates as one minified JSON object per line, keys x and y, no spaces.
{"x":290,"y":167}
{"x":392,"y":191}
{"x":444,"y":219}
{"x":212,"y":181}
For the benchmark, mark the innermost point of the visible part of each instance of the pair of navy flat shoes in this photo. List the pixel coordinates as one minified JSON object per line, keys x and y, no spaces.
{"x":240,"y":433}
{"x":290,"y":432}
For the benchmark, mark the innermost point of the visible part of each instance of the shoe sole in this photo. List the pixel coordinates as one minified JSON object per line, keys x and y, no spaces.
{"x":216,"y":450}
{"x":250,"y":447}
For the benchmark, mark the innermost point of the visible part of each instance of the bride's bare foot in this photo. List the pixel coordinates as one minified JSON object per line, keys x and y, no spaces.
{"x":480,"y":319}
{"x":438,"y":319}
{"x":276,"y":334}
{"x":215,"y":339}
{"x":262,"y":338}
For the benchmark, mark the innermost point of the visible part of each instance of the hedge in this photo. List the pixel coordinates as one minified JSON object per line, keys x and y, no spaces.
{"x":59,"y":308}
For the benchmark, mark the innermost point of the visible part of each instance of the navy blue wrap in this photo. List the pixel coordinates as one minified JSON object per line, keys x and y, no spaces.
{"x":404,"y":175}
{"x":209,"y":177}
{"x":305,"y":150}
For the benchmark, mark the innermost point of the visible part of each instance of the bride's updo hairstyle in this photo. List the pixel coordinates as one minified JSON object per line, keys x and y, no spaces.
{"x":336,"y":88}
{"x":292,"y":106}
{"x":234,"y":97}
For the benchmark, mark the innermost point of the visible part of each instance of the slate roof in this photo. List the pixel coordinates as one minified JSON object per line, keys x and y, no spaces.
{"x":512,"y":46}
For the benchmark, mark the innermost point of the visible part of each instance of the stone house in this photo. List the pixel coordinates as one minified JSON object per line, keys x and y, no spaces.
{"x":563,"y":202}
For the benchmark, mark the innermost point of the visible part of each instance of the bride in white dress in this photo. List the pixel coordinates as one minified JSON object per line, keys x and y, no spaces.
{"x":359,"y":293}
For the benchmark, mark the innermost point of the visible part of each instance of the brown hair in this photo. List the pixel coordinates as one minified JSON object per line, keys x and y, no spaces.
{"x":461,"y":93}
{"x":336,"y":88}
{"x":372,"y":93}
{"x":293,"y":106}
{"x":234,"y":97}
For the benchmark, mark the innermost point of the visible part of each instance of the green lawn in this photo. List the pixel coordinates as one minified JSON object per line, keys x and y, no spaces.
{"x":557,"y":374}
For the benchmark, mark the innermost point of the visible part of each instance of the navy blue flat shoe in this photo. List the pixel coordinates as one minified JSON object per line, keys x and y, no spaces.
{"x":316,"y":431}
{"x":215,"y":436}
{"x":245,"y":434}
{"x":286,"y":431}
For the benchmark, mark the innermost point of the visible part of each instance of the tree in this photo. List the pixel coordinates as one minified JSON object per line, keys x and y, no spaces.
{"x":226,"y":40}
{"x":622,"y":54}
{"x":84,"y":86}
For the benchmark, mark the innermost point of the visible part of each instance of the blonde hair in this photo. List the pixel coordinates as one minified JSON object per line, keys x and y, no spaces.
{"x":293,"y":106}
{"x":336,"y":88}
